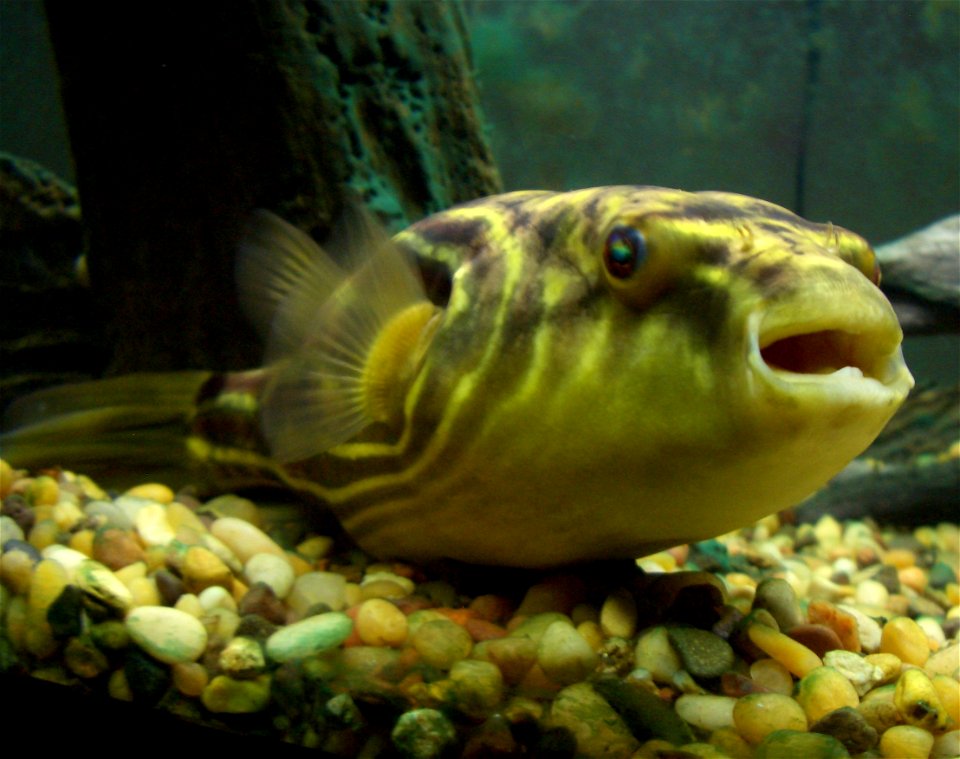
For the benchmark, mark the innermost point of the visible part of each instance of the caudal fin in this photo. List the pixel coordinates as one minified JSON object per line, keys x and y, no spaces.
{"x":119,"y":431}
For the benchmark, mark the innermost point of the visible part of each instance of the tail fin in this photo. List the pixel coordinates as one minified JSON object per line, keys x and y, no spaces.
{"x":119,"y":431}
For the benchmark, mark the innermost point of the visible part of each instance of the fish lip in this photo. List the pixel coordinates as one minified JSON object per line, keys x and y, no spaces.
{"x":848,"y":356}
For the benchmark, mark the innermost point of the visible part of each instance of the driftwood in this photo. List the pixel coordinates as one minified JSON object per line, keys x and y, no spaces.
{"x":921,"y":276}
{"x":182,"y":125}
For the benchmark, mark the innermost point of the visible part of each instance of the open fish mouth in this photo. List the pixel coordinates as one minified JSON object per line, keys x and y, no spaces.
{"x":847,"y":355}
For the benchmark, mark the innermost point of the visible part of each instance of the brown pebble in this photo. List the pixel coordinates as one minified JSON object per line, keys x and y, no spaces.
{"x":116,"y":548}
{"x":261,"y":600}
{"x":481,"y":629}
{"x":169,"y":586}
{"x":818,"y":638}
{"x":737,"y":685}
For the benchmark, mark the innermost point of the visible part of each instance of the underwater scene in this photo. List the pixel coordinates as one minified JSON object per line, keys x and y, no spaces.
{"x":481,"y":378}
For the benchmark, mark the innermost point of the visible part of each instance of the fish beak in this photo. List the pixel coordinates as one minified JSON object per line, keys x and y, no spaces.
{"x":836,"y":354}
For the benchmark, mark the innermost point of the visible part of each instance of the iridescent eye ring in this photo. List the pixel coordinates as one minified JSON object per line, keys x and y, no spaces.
{"x":624,"y":251}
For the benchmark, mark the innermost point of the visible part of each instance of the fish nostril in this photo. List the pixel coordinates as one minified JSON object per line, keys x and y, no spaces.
{"x":822,"y":352}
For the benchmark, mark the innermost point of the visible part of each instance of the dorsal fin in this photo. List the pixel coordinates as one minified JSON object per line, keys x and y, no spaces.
{"x":323,"y":322}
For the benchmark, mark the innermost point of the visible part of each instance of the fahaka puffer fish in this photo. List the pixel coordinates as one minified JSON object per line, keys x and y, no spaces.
{"x":591,"y":374}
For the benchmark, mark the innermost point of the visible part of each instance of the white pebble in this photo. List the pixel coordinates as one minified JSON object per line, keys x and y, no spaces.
{"x":872,"y":593}
{"x":861,"y":674}
{"x":317,"y":587}
{"x":9,"y":530}
{"x":216,"y":597}
{"x":68,"y":558}
{"x":933,"y":630}
{"x":243,"y":538}
{"x":168,"y":635}
{"x":706,"y":712}
{"x":152,"y":524}
{"x":271,"y":570}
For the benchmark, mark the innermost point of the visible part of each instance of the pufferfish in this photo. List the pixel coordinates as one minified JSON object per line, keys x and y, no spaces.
{"x":586,"y":375}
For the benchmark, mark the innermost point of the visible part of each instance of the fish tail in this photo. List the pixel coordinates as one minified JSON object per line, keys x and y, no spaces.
{"x":119,"y":431}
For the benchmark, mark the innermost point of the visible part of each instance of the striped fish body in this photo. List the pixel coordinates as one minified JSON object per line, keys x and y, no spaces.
{"x":596,"y":374}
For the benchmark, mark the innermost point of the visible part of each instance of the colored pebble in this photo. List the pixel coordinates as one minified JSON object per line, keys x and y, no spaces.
{"x":818,"y":638}
{"x":772,"y":675}
{"x":707,"y":712}
{"x":618,"y":615}
{"x":759,"y":714}
{"x":153,"y":491}
{"x":791,"y":744}
{"x":116,"y":548}
{"x":312,"y":635}
{"x":906,"y":742}
{"x":918,"y":702}
{"x":564,"y":655}
{"x":423,"y":734}
{"x":272,"y":570}
{"x":477,"y":687}
{"x":381,"y":623}
{"x":824,"y":689}
{"x":227,"y":695}
{"x":905,"y":639}
{"x":243,"y":538}
{"x":862,"y":674}
{"x":655,"y":654}
{"x":442,"y":643}
{"x":702,"y":653}
{"x":203,"y":569}
{"x":849,"y":727}
{"x":152,"y":524}
{"x":597,"y":729}
{"x":797,"y":658}
{"x":168,"y":635}
{"x":315,"y":588}
{"x":777,"y":596}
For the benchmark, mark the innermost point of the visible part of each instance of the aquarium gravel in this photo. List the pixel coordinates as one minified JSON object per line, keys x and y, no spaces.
{"x":778,"y":640}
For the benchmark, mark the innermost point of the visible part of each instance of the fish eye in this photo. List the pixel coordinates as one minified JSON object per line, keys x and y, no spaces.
{"x":624,"y":251}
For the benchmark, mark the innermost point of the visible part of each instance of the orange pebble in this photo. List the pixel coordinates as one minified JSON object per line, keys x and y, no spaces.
{"x":460,"y":616}
{"x":481,"y":629}
{"x":900,"y":558}
{"x":913,"y":577}
{"x":842,"y":623}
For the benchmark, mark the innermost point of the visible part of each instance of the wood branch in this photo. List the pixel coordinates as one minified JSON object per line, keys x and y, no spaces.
{"x":180,"y":126}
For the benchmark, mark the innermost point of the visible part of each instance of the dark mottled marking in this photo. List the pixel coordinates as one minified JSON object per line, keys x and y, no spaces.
{"x":452,"y":231}
{"x":715,"y":253}
{"x":705,"y":308}
{"x":771,"y":277}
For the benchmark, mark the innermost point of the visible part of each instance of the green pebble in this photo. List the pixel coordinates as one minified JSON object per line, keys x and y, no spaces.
{"x":442,"y":643}
{"x":598,"y":729}
{"x":111,"y":635}
{"x":478,"y":687}
{"x":537,"y":625}
{"x":777,"y":596}
{"x":423,"y":734}
{"x":225,"y":695}
{"x":313,"y":635}
{"x":703,"y":654}
{"x":941,"y":574}
{"x":84,"y":659}
{"x":793,"y":744}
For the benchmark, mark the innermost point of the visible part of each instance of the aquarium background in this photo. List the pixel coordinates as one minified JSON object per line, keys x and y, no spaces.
{"x":842,"y":111}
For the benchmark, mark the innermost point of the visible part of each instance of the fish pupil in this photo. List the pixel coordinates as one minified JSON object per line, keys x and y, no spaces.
{"x":624,"y":251}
